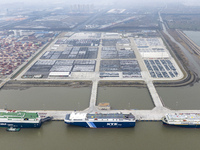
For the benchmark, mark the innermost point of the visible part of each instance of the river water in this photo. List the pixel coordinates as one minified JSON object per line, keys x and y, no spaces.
{"x":194,"y":35}
{"x":125,"y":97}
{"x":48,"y":98}
{"x":57,"y":135}
{"x":144,"y":136}
{"x":186,"y":97}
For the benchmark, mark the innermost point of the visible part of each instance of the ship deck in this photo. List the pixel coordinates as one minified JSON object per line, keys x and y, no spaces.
{"x":183,"y":116}
{"x":15,"y":115}
{"x":109,"y":116}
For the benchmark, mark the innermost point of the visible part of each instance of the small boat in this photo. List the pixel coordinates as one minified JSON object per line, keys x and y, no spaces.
{"x":11,"y":129}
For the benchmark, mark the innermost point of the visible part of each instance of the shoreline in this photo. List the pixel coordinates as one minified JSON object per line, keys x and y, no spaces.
{"x":190,"y":79}
{"x":29,"y":84}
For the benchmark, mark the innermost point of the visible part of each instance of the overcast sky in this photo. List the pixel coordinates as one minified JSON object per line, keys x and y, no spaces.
{"x":95,"y":1}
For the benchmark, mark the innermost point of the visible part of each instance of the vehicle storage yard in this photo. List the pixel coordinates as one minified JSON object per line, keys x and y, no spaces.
{"x":161,"y":68}
{"x":106,"y":54}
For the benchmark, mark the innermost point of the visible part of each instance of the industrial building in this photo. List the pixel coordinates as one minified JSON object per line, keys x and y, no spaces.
{"x":59,"y":74}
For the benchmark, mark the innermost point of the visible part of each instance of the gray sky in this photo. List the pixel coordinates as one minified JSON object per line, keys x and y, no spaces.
{"x":94,"y":1}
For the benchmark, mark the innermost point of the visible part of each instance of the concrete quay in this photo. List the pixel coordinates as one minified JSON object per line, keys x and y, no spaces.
{"x":155,"y":114}
{"x":57,"y":115}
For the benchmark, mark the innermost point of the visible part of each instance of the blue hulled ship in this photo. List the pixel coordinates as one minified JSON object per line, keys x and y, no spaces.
{"x":100,"y":120}
{"x":14,"y":119}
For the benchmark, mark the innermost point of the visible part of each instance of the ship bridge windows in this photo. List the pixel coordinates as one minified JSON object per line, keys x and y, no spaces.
{"x":67,"y":116}
{"x":165,"y":119}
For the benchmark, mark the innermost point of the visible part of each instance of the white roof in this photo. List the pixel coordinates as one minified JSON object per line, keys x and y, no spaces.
{"x":76,"y":115}
{"x":59,"y":73}
{"x":154,"y":54}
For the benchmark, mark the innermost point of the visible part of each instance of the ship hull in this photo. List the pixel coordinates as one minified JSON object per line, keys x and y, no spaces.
{"x":102,"y":124}
{"x":20,"y":125}
{"x":184,"y":125}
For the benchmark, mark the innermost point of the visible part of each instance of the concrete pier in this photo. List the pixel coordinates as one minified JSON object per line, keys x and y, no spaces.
{"x":154,"y":95}
{"x":93,"y":96}
{"x":152,"y":90}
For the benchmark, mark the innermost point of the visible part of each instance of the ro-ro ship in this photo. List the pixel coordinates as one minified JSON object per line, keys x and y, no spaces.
{"x":19,"y":119}
{"x":189,"y":120}
{"x":100,"y":120}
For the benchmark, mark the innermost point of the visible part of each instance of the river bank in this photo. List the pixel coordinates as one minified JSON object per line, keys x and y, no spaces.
{"x":28,"y":84}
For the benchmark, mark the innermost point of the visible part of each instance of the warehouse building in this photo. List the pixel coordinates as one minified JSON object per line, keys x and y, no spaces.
{"x":59,"y":74}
